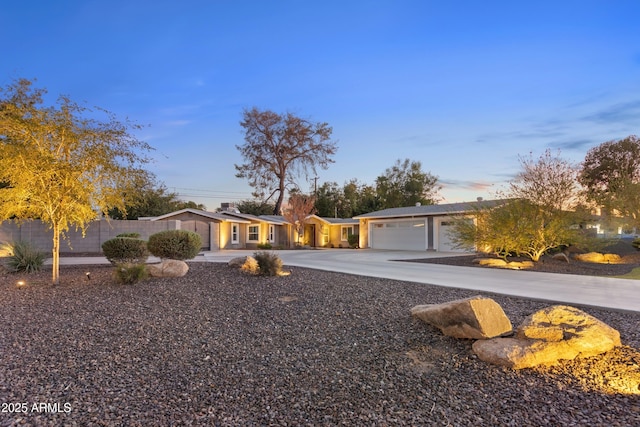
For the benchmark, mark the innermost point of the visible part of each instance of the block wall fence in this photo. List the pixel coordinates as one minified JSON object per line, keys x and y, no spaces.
{"x":40,"y":235}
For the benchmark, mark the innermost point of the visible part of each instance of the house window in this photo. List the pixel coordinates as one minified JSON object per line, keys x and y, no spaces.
{"x":235,"y":233}
{"x":345,"y":231}
{"x":253,"y":233}
{"x":325,"y":235}
{"x":272,"y":233}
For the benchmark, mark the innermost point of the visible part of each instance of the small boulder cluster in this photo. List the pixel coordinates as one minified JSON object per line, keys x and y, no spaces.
{"x":544,"y":338}
{"x":566,"y":256}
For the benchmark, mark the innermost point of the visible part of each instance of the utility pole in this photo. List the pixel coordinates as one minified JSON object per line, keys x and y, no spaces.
{"x":315,"y":186}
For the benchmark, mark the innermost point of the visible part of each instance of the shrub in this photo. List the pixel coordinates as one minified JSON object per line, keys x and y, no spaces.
{"x":265,"y":245}
{"x":24,"y":257}
{"x":354,"y":240}
{"x":125,"y":250}
{"x":269,"y":263}
{"x":175,"y":244}
{"x":132,"y":235}
{"x":250,"y":266}
{"x":128,"y":274}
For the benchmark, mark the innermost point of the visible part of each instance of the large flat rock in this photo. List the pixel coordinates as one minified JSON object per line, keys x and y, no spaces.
{"x":473,"y":318}
{"x":548,"y":336}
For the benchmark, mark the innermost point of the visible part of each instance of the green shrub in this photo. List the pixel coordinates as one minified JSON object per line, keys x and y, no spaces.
{"x":125,"y":250}
{"x":269,"y":263}
{"x":132,"y":235}
{"x":265,"y":245}
{"x":636,"y":243}
{"x":24,"y":257}
{"x":175,"y":244}
{"x":128,"y":274}
{"x":354,"y":240}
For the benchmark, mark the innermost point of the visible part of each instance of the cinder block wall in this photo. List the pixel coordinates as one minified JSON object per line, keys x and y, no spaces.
{"x":98,"y":232}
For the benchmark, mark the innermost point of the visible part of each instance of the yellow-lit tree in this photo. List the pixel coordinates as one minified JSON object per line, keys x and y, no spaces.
{"x":538,"y":213}
{"x":61,"y":166}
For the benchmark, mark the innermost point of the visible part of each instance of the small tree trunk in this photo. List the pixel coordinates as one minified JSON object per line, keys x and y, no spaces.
{"x":55,"y":269}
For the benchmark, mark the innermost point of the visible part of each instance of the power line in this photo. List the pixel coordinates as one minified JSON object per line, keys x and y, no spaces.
{"x":204,"y":190}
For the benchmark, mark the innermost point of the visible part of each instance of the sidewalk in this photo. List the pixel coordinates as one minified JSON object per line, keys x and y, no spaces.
{"x":596,"y":291}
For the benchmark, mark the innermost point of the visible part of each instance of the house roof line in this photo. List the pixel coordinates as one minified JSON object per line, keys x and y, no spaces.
{"x":334,"y":221}
{"x":431,"y":210}
{"x":206,"y":214}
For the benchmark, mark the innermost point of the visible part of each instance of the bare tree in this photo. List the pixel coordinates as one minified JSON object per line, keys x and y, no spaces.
{"x":278,"y":149}
{"x":550,"y":182}
{"x":300,"y":207}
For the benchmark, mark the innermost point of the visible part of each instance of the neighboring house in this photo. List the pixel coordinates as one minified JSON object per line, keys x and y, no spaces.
{"x":272,"y":229}
{"x":216,"y":230}
{"x":415,"y":228}
{"x":230,"y":229}
{"x":329,"y":232}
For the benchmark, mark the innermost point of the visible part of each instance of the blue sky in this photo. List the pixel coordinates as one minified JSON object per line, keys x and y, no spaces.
{"x":465,"y":87}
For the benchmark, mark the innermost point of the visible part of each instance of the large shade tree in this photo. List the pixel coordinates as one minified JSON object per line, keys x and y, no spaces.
{"x":279,"y":149}
{"x":353,"y":198}
{"x":611,"y":176}
{"x":60,"y":163}
{"x":406,"y":184}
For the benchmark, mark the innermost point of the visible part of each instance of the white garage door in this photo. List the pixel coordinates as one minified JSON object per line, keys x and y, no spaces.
{"x":444,"y":239}
{"x":401,"y":235}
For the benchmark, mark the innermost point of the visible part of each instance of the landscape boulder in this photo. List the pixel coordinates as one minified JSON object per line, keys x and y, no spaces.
{"x":547,"y":336}
{"x":501,"y":263}
{"x":168,"y":268}
{"x":597,"y":257}
{"x":473,"y":318}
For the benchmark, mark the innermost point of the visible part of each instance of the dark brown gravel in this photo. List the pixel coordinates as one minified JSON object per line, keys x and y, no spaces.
{"x":549,"y":265}
{"x":314,"y":348}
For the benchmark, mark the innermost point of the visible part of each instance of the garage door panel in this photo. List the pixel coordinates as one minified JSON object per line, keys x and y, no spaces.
{"x":445,"y":244}
{"x":401,"y":235}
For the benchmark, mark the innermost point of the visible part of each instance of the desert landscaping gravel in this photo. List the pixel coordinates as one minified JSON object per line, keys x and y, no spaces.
{"x":220,"y":348}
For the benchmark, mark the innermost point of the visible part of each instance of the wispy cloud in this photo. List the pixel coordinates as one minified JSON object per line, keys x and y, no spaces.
{"x":178,"y":122}
{"x":621,"y":113}
{"x":466,"y":185}
{"x":576,"y":144}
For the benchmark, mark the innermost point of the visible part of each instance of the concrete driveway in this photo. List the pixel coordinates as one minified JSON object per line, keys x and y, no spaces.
{"x":606,"y":292}
{"x":565,"y":288}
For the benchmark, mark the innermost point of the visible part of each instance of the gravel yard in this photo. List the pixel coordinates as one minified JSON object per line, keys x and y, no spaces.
{"x":313,"y":348}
